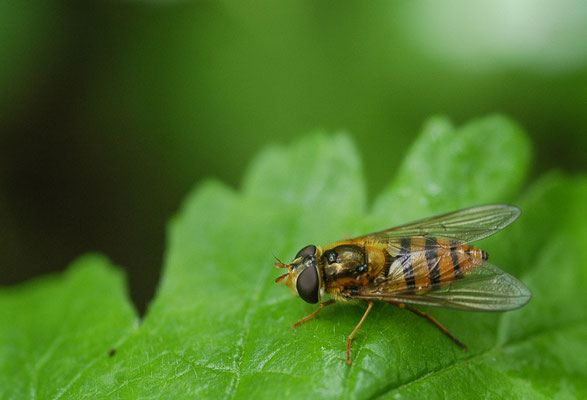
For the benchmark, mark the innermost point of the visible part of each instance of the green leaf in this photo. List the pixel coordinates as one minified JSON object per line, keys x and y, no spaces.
{"x":56,"y":330}
{"x":448,"y":169}
{"x":219,"y":327}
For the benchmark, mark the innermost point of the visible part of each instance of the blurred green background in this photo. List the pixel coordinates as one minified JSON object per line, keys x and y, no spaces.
{"x":110,"y":112}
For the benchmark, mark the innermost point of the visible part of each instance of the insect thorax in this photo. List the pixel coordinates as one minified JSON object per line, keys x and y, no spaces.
{"x":345,"y":265}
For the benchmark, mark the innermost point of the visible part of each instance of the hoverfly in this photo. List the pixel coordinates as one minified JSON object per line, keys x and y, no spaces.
{"x":424,"y":263}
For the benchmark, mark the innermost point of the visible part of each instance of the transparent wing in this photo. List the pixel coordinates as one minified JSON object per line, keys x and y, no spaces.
{"x":486,"y":288}
{"x":463,"y":226}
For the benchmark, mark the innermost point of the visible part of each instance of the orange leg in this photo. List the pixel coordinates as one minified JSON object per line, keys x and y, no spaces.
{"x":435,"y":322}
{"x":352,"y":335}
{"x":309,"y":317}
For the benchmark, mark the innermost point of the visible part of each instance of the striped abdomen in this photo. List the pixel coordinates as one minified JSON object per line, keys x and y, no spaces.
{"x":425,"y":263}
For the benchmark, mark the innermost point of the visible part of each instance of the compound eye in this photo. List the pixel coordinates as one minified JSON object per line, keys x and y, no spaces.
{"x":307,"y":251}
{"x":307,"y":285}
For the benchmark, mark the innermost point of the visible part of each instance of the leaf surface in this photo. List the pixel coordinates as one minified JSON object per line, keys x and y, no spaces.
{"x":219,"y":326}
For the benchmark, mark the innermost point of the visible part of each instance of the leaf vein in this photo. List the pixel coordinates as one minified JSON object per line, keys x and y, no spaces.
{"x":83,"y":370}
{"x":260,"y":287}
{"x":464,"y":362}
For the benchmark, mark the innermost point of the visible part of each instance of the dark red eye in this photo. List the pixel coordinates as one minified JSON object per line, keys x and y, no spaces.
{"x":307,"y":285}
{"x":309,"y":250}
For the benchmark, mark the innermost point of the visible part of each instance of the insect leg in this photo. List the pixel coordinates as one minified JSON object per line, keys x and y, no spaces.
{"x":309,"y":317}
{"x":435,"y":322}
{"x":352,"y":335}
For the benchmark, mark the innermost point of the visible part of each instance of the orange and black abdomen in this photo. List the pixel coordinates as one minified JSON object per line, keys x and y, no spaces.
{"x":424,"y":263}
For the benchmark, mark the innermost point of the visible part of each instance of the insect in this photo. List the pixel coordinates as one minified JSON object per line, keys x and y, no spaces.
{"x":424,"y":263}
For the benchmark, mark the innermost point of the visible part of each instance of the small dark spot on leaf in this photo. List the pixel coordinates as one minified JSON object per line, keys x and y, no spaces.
{"x":111,"y":352}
